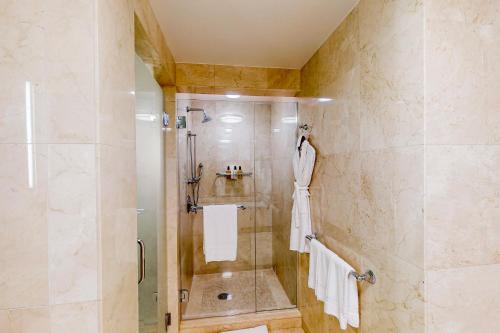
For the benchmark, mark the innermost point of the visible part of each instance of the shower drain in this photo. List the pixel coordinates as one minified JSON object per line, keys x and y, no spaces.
{"x":225,"y":296}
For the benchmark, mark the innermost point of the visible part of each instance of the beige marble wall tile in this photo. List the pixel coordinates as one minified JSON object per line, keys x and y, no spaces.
{"x":391,"y":203}
{"x":462,"y":206}
{"x":23,"y":240}
{"x":118,"y":234}
{"x":240,"y":77}
{"x":150,"y":43}
{"x":69,"y":91}
{"x":21,"y":60}
{"x":463,"y":299}
{"x":309,"y":78}
{"x":392,"y":17}
{"x":462,"y":81}
{"x":75,"y":317}
{"x":34,"y":320}
{"x":195,"y":75}
{"x":61,"y":78}
{"x":462,"y":251}
{"x":367,"y":192}
{"x":72,"y":223}
{"x":252,"y":81}
{"x":396,"y":302}
{"x":279,"y":78}
{"x":485,"y":12}
{"x":52,"y":45}
{"x":116,"y":167}
{"x":116,"y":73}
{"x":392,"y":91}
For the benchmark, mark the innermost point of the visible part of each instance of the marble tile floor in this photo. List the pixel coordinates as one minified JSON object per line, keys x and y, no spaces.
{"x":250,"y":291}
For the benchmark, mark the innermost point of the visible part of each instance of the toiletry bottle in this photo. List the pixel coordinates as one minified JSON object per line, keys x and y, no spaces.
{"x":228,"y":172}
{"x":240,"y":172}
{"x":234,"y":173}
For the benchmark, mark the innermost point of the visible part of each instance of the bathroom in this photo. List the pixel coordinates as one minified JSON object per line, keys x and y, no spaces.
{"x":124,"y":124}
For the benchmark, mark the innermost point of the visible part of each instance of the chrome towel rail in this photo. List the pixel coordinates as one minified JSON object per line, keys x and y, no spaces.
{"x":194,"y":209}
{"x":368,"y":276}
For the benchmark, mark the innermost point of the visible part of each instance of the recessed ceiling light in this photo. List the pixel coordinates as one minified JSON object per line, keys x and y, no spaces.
{"x":225,"y":141}
{"x":289,"y":120}
{"x":232,"y":96}
{"x":231,"y":119}
{"x":228,"y":130}
{"x":325,"y":99}
{"x":276,"y":130}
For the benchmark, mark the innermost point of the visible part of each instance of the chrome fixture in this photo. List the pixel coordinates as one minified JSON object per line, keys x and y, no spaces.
{"x":184,"y":295}
{"x":305,"y":127}
{"x":180,"y":122}
{"x":142,"y":261}
{"x":368,"y":276}
{"x":206,"y":117}
{"x":192,"y":208}
{"x":195,"y":171}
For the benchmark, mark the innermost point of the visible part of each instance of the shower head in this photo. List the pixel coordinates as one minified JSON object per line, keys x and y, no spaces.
{"x":206,"y":117}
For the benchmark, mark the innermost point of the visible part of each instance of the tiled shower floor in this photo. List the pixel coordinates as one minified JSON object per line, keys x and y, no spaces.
{"x":203,"y":300}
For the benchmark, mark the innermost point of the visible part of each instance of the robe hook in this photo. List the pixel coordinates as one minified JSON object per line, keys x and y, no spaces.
{"x":305,"y":127}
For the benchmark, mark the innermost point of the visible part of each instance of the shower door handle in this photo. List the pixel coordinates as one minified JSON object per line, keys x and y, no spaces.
{"x":142,"y":259}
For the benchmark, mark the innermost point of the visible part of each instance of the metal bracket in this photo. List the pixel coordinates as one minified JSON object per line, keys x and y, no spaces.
{"x":168,"y":320}
{"x":180,"y":122}
{"x":165,"y":119}
{"x":183,"y":295}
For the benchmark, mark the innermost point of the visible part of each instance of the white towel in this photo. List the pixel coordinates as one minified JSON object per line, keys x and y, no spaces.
{"x":318,"y":269}
{"x":341,"y":298}
{"x":260,"y":329}
{"x":220,"y":232}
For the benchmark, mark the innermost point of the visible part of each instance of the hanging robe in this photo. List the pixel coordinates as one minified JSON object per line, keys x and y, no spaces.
{"x":303,"y":165}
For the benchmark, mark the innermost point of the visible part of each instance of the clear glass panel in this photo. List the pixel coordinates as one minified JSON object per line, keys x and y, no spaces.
{"x":263,"y":277}
{"x":150,"y":192}
{"x":226,"y":140}
{"x":276,"y":274}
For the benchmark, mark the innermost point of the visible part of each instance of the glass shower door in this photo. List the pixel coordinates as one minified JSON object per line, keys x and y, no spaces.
{"x":150,"y":201}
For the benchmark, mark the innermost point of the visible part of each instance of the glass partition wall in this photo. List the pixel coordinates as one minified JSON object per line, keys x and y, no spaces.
{"x":258,"y":136}
{"x":150,"y":200}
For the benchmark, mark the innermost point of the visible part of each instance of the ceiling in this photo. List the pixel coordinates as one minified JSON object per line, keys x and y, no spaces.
{"x":260,"y":33}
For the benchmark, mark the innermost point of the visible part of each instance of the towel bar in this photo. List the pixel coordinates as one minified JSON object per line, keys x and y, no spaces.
{"x":368,"y":276}
{"x":194,"y":209}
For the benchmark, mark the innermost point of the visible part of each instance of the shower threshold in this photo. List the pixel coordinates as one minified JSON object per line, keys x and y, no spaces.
{"x":249,"y":291}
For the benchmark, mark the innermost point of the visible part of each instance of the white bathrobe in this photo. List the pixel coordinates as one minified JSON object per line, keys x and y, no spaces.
{"x":303,"y":165}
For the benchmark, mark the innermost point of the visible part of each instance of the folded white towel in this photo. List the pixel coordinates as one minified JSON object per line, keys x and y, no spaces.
{"x":220,"y":232}
{"x":260,"y":329}
{"x":341,"y":297}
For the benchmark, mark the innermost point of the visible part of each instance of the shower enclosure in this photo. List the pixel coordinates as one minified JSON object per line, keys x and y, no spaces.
{"x":257,"y":135}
